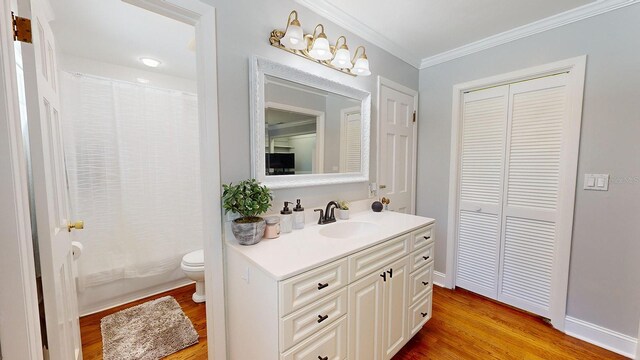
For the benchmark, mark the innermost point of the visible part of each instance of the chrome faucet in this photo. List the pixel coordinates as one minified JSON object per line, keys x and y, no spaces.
{"x":327,"y":216}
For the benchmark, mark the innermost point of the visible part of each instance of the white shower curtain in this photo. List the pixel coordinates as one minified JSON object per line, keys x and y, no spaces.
{"x":132,"y":154}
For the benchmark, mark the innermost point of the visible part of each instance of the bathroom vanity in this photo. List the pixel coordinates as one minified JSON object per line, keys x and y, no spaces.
{"x":354,"y":289}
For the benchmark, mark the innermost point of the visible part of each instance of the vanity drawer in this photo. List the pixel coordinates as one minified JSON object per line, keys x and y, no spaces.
{"x":421,"y":282}
{"x":422,"y":257}
{"x":372,"y":259}
{"x":310,"y":286}
{"x":422,"y":237}
{"x":420,"y":313}
{"x":312,"y":318}
{"x":330,"y":344}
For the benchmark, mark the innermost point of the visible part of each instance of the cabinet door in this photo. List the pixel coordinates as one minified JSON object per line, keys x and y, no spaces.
{"x":365,"y":317}
{"x":395,"y":307}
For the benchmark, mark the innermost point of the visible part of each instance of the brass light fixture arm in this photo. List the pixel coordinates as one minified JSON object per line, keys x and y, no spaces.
{"x":355,"y":54}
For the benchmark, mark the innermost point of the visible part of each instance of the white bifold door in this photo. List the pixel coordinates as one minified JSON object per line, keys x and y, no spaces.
{"x":511,"y":168}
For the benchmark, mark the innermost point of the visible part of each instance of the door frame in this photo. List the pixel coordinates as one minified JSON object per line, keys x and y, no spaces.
{"x":19,"y":309}
{"x":414,"y":166}
{"x":320,"y":115}
{"x":20,"y":325}
{"x":575,"y":67}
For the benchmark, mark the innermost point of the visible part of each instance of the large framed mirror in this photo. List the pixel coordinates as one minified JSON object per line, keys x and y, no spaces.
{"x":307,"y":130}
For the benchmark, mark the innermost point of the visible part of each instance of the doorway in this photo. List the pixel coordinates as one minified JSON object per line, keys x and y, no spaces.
{"x":201,"y":16}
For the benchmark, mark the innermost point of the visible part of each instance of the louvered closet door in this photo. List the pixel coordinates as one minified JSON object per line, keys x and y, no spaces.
{"x":537,"y":111}
{"x":484,"y":123}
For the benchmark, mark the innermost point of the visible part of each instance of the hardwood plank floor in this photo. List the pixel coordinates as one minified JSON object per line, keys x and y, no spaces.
{"x":469,"y":326}
{"x":92,"y":338}
{"x":464,"y":326}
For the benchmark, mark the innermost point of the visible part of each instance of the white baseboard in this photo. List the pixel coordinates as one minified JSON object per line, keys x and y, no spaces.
{"x":438,"y":278}
{"x":134,"y":296}
{"x":605,"y":338}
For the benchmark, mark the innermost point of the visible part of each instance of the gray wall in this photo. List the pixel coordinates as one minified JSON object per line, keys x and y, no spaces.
{"x":604,"y":282}
{"x":244,"y":27}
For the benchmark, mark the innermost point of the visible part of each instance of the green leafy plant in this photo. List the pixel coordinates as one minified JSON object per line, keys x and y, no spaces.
{"x":344,"y":205}
{"x":248,"y":198}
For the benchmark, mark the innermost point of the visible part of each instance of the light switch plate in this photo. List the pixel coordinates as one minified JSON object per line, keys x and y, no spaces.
{"x":599,"y":182}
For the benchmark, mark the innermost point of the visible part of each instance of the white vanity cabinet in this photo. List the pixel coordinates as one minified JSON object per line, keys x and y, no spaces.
{"x":365,"y":305}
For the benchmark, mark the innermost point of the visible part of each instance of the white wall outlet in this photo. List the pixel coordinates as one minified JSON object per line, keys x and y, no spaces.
{"x":599,"y":182}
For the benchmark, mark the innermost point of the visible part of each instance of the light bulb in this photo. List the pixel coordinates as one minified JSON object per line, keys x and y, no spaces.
{"x":342,"y":59}
{"x":320,"y":49}
{"x":361,"y":67}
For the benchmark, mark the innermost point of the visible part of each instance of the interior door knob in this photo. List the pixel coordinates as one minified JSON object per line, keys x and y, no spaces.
{"x":78,"y":225}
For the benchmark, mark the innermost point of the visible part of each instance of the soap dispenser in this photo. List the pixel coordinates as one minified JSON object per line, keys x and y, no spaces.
{"x":298,"y":216}
{"x":285,"y":218}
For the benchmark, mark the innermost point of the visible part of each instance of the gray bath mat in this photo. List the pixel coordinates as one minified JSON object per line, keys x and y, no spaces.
{"x":147,"y":331}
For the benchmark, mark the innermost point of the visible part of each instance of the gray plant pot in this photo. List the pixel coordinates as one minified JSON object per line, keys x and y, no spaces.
{"x":248,"y":233}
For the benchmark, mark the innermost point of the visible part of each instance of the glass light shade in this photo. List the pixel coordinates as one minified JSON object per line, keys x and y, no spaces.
{"x":294,"y":38}
{"x":361,"y":67}
{"x":342,"y":59}
{"x":320,"y":49}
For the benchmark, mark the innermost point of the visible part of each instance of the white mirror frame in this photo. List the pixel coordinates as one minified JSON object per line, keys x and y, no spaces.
{"x":261,"y":67}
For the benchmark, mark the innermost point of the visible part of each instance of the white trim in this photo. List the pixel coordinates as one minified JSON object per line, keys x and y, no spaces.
{"x":259,"y":69}
{"x":203,"y":17}
{"x":19,"y":316}
{"x":275,"y":81}
{"x":320,"y":127}
{"x":414,"y":166}
{"x":638,"y":345}
{"x":600,"y":336}
{"x":576,"y":69}
{"x":438,"y":278}
{"x":336,"y":15}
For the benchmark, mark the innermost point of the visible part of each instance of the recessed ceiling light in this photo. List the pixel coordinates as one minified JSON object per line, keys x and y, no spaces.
{"x":142,"y":80}
{"x":150,"y":62}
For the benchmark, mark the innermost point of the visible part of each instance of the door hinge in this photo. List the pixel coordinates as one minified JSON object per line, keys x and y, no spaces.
{"x":21,"y":29}
{"x":414,"y":116}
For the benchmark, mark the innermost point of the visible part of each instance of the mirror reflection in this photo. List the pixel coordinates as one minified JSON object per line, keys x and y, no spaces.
{"x":310,"y":131}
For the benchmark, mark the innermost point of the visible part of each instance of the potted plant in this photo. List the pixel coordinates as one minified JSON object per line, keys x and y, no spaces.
{"x":343,"y":210}
{"x":249,"y":199}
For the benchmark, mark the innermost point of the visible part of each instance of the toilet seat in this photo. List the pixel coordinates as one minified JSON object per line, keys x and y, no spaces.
{"x":194,"y":259}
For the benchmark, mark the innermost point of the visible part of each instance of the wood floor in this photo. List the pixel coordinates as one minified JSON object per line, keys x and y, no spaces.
{"x":92,"y":338}
{"x":464,"y":326}
{"x":469,"y":326}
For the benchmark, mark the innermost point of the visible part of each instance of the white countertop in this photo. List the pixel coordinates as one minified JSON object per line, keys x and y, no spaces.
{"x":305,"y":249}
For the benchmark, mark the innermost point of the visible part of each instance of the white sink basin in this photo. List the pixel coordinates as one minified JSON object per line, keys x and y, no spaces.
{"x":343,"y":230}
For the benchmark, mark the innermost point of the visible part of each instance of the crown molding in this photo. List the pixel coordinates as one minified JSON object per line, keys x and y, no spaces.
{"x":536,"y":27}
{"x":355,"y":26}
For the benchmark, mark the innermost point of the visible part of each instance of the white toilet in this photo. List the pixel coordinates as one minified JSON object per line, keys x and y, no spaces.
{"x":193,"y":267}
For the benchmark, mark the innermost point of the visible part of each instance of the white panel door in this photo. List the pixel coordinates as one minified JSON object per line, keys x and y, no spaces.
{"x":365,"y":318}
{"x":484,"y":122}
{"x":397,"y":131}
{"x":396,"y":305}
{"x":50,"y":186}
{"x":537,"y":115}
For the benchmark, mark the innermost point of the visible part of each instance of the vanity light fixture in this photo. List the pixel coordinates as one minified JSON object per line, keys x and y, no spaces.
{"x":316,"y":47}
{"x":150,"y":62}
{"x":342,"y":56}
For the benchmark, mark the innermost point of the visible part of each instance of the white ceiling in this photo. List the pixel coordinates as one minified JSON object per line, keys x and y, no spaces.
{"x":119,"y":33}
{"x":419,"y":30}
